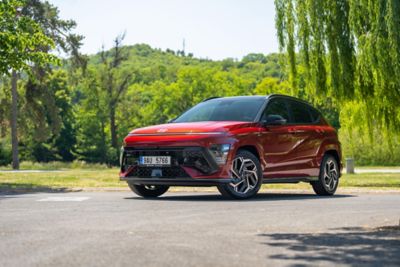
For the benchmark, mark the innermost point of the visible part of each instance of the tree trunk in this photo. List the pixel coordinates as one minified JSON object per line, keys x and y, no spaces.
{"x":14,"y":117}
{"x":113,"y":128}
{"x":104,"y":143}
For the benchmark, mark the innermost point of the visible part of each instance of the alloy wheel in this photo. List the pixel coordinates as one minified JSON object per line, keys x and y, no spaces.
{"x":244,"y":174}
{"x":331,"y":175}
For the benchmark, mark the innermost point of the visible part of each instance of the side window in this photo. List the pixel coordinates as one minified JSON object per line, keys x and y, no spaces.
{"x":300,"y":113}
{"x":316,"y":116}
{"x":277,"y":107}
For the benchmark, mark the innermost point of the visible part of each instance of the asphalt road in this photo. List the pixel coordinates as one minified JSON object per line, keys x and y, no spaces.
{"x":198,"y":229}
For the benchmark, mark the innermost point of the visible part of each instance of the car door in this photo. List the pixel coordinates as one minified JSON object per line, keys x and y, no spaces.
{"x":307,"y":136}
{"x":278,"y":142}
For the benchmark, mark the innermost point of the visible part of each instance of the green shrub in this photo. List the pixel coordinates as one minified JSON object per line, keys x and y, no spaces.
{"x":58,"y":165}
{"x":5,"y":153}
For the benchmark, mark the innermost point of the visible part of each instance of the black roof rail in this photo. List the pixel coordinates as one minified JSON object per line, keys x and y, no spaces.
{"x":213,"y":97}
{"x":290,"y":97}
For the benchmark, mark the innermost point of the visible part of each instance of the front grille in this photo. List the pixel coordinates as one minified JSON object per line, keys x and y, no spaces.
{"x":166,"y":172}
{"x":193,"y":157}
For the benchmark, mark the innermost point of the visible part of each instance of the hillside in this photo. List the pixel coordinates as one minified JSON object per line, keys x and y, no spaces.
{"x":155,"y":64}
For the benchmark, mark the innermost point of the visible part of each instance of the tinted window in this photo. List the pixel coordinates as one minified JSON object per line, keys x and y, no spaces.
{"x":224,"y":109}
{"x":316,"y":116}
{"x":300,"y":113}
{"x":277,"y":107}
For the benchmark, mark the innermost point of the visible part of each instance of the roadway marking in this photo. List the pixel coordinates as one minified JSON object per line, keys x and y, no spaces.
{"x":62,"y":199}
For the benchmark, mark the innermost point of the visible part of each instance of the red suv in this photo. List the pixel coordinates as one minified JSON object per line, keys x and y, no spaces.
{"x":236,"y":144}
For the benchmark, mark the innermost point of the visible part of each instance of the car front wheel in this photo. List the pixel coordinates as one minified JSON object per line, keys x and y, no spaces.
{"x":148,"y":191}
{"x":246,"y":176}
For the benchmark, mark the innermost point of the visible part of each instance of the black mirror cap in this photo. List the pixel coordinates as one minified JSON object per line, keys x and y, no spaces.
{"x":274,"y":120}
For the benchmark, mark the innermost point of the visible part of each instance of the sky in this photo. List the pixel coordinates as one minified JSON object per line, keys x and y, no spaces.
{"x":214,"y":29}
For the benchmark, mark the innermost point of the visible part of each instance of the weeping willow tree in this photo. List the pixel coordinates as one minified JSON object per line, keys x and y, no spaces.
{"x":350,"y":50}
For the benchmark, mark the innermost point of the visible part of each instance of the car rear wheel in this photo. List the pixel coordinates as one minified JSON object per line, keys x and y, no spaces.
{"x":148,"y":191}
{"x":246,"y":177}
{"x":328,"y":177}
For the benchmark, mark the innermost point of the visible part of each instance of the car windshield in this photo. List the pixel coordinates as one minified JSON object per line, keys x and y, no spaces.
{"x":223,"y":109}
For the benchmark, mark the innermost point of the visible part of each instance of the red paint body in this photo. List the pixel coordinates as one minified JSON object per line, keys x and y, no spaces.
{"x":285,"y":151}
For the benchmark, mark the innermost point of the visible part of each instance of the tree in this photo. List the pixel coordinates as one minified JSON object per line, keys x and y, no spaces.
{"x":59,"y":30}
{"x":91,"y":120}
{"x":43,"y":89}
{"x":350,"y":50}
{"x":49,"y":124}
{"x":20,"y":39}
{"x":115,"y":80}
{"x":271,"y":85}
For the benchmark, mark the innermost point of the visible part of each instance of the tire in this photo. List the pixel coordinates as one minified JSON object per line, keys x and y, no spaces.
{"x":248,"y":181}
{"x":328,"y":180}
{"x":148,"y":191}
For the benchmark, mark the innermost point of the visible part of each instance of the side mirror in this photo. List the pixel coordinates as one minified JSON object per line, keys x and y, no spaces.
{"x":274,"y":120}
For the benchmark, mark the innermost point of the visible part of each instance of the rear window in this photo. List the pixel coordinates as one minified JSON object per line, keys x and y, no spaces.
{"x":316,"y":116}
{"x":300,"y":113}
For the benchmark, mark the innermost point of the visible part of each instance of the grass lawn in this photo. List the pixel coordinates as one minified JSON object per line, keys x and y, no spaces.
{"x":73,"y":178}
{"x":108,"y":178}
{"x":378,"y":167}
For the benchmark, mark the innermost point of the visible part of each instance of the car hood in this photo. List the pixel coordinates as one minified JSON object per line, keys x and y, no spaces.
{"x":208,"y":127}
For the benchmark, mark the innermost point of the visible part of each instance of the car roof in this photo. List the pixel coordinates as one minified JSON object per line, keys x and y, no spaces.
{"x":292,"y":98}
{"x":260,"y":97}
{"x":257,"y":97}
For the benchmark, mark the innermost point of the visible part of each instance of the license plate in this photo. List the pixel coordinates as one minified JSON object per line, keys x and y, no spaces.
{"x":155,"y":160}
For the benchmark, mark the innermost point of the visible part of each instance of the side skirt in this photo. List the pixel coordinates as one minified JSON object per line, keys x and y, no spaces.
{"x":290,"y":180}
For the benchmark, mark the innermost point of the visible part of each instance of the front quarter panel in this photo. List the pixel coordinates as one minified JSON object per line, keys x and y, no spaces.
{"x":249,"y":137}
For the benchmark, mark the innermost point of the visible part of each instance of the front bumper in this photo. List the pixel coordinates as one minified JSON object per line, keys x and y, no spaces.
{"x":190,"y":166}
{"x":177,"y":181}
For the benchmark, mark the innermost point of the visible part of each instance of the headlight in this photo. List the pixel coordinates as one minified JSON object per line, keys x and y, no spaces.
{"x":220,"y":152}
